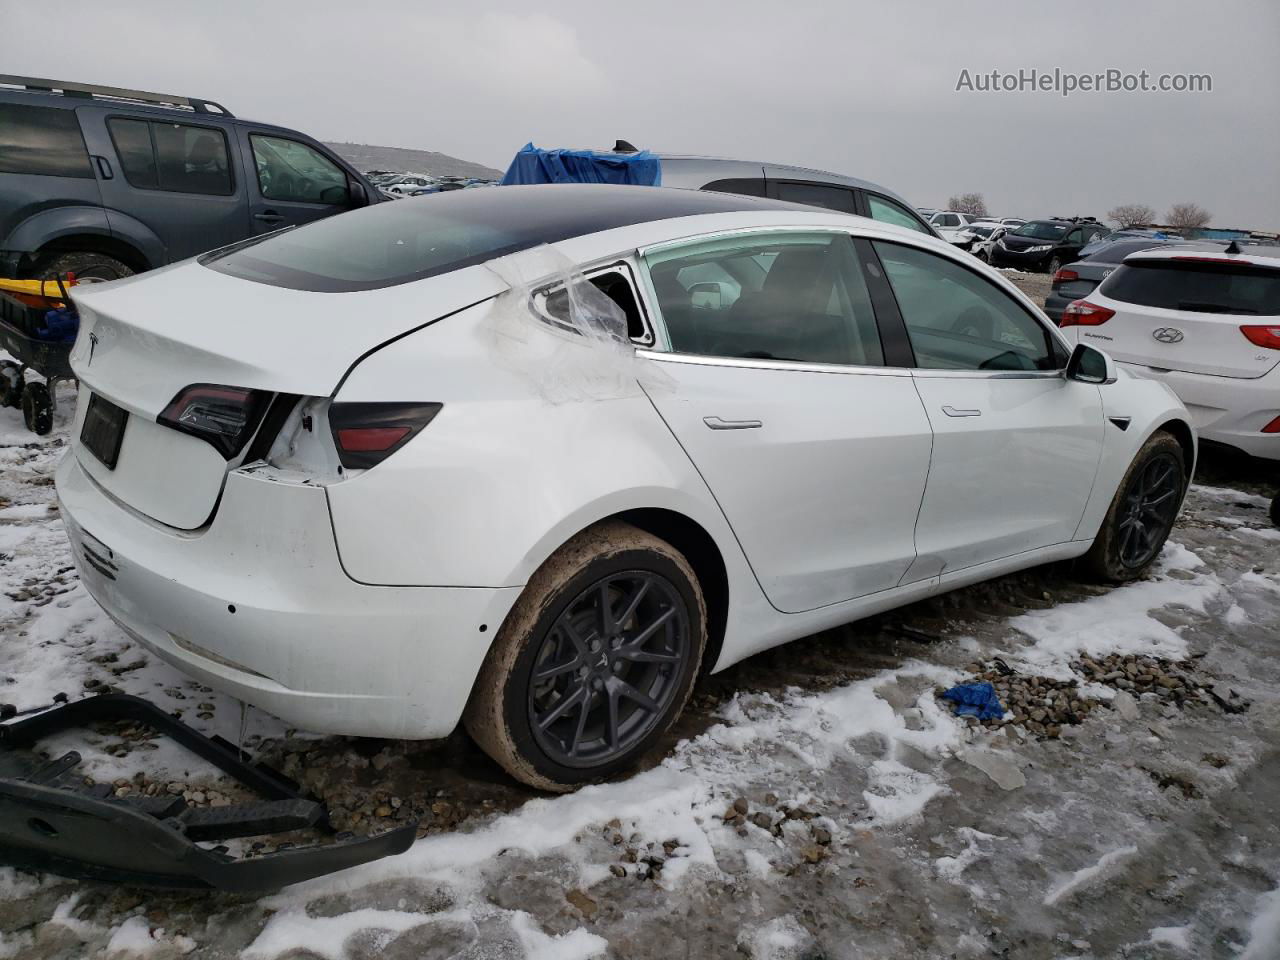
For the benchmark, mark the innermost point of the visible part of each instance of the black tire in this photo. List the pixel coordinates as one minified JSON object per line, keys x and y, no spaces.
{"x":11,"y":384}
{"x":1055,"y":264}
{"x":37,"y":409}
{"x":586,"y":732}
{"x":87,"y":265}
{"x":1275,"y":509}
{"x":1123,"y":551}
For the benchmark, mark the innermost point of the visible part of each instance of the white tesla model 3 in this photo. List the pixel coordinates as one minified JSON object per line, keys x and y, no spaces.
{"x":532,"y":458}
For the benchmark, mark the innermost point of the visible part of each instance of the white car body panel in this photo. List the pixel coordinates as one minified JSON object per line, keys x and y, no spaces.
{"x":365,"y":603}
{"x":823,"y":494}
{"x":1045,"y":433}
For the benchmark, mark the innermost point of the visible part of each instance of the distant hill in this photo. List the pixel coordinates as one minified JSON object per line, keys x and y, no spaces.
{"x":364,"y":156}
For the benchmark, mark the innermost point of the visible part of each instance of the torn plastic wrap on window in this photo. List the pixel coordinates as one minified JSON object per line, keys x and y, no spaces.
{"x":555,"y":327}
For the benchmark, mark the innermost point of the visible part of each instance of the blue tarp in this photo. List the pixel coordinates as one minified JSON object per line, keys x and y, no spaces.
{"x":532,"y":165}
{"x":975,"y":700}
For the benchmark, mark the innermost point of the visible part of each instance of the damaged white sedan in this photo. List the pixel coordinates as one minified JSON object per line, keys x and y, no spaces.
{"x":532,"y":458}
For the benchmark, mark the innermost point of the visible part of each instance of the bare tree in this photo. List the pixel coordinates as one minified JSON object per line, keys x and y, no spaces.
{"x":1188,"y":217}
{"x":1132,"y":215}
{"x":970,"y":203}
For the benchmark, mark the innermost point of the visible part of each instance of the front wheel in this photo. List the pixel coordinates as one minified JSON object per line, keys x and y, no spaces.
{"x":37,"y":409}
{"x":1055,"y":264}
{"x":1141,"y":514}
{"x":594,"y":662}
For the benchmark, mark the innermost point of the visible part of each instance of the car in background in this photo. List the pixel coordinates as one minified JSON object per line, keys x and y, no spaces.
{"x":815,"y":188}
{"x":949,"y":223}
{"x":1079,"y":278}
{"x":1012,"y":221}
{"x":1098,"y":242}
{"x":105,"y":182}
{"x":1204,"y":323}
{"x":988,"y":235}
{"x":383,"y":528}
{"x":1045,"y":244}
{"x":404,"y":184}
{"x":966,"y":237}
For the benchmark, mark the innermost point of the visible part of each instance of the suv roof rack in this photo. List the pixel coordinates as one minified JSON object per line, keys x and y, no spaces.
{"x":90,"y":90}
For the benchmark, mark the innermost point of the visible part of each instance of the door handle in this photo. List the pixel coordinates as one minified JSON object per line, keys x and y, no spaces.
{"x":957,"y":412}
{"x":269,"y":216}
{"x":717,"y":423}
{"x":104,"y":168}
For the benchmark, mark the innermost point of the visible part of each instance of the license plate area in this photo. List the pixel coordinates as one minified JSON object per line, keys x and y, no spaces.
{"x":103,"y":430}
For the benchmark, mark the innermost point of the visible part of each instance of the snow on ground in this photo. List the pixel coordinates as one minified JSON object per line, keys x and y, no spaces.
{"x":880,"y":825}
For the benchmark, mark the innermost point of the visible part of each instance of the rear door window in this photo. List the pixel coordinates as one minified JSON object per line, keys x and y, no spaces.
{"x":783,"y":297}
{"x":958,"y":320}
{"x":884,"y":209}
{"x":174,"y":157}
{"x":289,"y":171}
{"x":42,"y":141}
{"x":1198,"y":286}
{"x":818,"y":195}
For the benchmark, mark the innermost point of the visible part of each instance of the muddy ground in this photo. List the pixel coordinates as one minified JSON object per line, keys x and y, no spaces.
{"x":816,"y":801}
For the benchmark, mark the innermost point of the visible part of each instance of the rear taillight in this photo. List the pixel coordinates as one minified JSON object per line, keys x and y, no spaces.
{"x":224,"y":417}
{"x":367,"y":433}
{"x":1082,"y":313}
{"x":1262,"y":334}
{"x":1063,"y":275}
{"x":1273,"y":426}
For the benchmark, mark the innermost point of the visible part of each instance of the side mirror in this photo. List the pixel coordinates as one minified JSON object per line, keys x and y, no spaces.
{"x":708,"y":295}
{"x":1090,"y":365}
{"x":356,"y":195}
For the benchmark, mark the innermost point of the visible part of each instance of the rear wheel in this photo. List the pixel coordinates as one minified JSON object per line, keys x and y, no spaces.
{"x":1141,"y":514}
{"x":88,"y":266}
{"x":37,"y":408}
{"x":594,"y":662}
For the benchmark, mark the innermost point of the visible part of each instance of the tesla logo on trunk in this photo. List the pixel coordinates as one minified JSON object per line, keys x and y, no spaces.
{"x":1167,"y":334}
{"x":93,"y":345}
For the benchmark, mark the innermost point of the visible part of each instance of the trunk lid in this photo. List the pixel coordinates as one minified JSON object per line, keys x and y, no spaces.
{"x":144,"y":339}
{"x":1185,"y":313}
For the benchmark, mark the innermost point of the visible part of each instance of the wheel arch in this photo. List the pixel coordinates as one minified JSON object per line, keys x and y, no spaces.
{"x":1182,"y":432}
{"x":110,"y":246}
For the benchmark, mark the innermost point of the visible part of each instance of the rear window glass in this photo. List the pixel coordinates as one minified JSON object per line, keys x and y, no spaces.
{"x":1200,"y":287}
{"x":43,"y":141}
{"x":1041,"y":230}
{"x":404,"y":240}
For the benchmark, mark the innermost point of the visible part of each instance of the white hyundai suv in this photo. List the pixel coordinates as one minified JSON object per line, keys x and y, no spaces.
{"x":1205,"y":323}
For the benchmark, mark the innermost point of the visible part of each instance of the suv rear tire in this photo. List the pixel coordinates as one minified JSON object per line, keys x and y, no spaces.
{"x":594,"y":662}
{"x":88,"y":266}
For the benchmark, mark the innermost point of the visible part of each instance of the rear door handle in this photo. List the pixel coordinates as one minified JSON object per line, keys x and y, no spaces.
{"x":104,"y":168}
{"x":717,"y":423}
{"x":269,"y":216}
{"x":957,"y":412}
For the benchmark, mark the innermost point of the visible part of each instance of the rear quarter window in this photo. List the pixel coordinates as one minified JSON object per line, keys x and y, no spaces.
{"x":42,"y":141}
{"x":1197,"y":286}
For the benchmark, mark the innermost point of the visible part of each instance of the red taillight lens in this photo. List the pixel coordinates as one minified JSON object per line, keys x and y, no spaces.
{"x":367,"y":433}
{"x":224,"y":417}
{"x":1273,"y":426}
{"x":1063,"y":275}
{"x":1082,"y":313}
{"x":1263,"y":335}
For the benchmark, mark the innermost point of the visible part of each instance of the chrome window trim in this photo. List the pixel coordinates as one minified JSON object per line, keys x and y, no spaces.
{"x":751,"y":363}
{"x":929,"y":373}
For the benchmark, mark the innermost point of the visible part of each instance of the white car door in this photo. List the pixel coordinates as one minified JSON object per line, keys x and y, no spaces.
{"x":815,"y":449}
{"x":1016,"y":445}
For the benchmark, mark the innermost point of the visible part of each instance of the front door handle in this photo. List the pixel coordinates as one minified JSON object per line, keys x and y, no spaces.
{"x":717,"y":423}
{"x":957,"y":412}
{"x":269,"y":216}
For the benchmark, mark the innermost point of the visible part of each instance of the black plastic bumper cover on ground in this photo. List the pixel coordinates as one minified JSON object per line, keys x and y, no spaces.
{"x":49,"y":821}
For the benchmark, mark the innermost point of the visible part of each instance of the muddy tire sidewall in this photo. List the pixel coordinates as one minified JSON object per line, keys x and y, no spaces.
{"x":1102,"y":562}
{"x":497,"y":713}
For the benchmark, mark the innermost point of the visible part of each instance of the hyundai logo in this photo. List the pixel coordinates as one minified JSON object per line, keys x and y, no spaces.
{"x":1167,"y":334}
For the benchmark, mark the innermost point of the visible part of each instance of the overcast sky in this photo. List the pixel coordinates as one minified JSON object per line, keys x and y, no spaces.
{"x":866,"y":89}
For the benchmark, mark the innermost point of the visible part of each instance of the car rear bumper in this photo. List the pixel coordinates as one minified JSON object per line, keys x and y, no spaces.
{"x":1226,"y":410}
{"x":258,"y":605}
